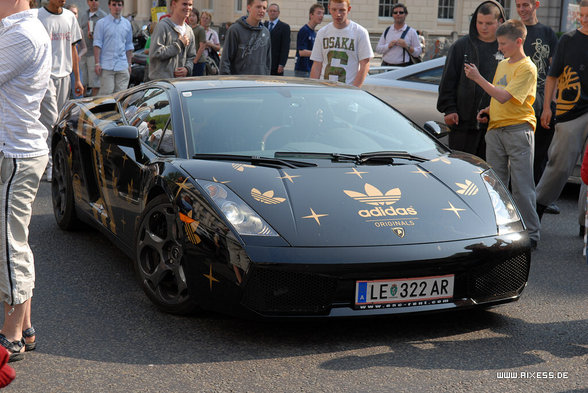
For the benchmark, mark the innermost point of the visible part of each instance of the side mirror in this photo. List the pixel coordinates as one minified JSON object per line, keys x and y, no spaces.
{"x":124,"y":136}
{"x":437,"y":129}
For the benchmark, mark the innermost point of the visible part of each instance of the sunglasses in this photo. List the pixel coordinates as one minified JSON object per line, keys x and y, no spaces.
{"x":398,"y":12}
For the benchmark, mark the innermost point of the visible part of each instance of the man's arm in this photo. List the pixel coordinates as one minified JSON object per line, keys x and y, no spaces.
{"x":231,"y":45}
{"x":284,"y":48}
{"x":159,"y":50}
{"x":447,"y":98}
{"x":79,"y":88}
{"x":315,"y":71}
{"x":500,"y":95}
{"x":364,"y":67}
{"x":97,"y":66}
{"x":550,"y":83}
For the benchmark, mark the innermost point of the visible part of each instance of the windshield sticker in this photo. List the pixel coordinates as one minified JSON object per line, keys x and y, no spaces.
{"x":468,"y":188}
{"x":267,"y":197}
{"x":383,"y":215}
{"x":187,"y":94}
{"x":289,"y":177}
{"x":355,"y":172}
{"x":454,"y":209}
{"x":315,"y":216}
{"x":241,"y":167}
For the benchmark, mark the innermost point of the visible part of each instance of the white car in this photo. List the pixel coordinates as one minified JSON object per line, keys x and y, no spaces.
{"x":413,"y":90}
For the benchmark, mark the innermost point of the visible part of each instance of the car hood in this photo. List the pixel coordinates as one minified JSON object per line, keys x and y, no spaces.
{"x":366,"y":205}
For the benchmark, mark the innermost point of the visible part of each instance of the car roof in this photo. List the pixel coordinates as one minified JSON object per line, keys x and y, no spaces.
{"x":239,"y":81}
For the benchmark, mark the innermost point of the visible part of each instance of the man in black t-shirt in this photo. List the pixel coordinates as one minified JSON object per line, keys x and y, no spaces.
{"x":568,"y":70}
{"x":540,"y":46}
{"x":460,"y":99}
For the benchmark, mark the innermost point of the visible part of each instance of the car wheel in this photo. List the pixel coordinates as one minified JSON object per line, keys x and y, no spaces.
{"x":62,"y":190}
{"x":158,"y":259}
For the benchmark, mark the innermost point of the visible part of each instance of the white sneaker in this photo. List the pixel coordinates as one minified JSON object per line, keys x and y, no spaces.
{"x":48,"y":175}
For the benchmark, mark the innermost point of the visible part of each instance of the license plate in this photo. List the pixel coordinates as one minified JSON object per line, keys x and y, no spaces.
{"x":421,"y":291}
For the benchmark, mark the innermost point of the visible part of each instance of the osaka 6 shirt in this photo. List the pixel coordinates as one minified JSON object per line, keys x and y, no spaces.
{"x":340,"y":51}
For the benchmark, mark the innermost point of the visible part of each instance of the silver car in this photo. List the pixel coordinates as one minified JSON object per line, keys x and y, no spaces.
{"x":413,"y":90}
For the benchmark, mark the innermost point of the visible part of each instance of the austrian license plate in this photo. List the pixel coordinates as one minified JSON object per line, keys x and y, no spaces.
{"x":404,"y":292}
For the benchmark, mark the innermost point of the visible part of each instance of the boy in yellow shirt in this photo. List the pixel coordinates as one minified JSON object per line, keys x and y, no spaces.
{"x":510,"y":136}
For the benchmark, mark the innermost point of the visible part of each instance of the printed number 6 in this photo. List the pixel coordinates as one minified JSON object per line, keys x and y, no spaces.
{"x":338,"y":71}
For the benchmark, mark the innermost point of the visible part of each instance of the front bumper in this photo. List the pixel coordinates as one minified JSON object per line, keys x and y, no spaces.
{"x":320,"y":282}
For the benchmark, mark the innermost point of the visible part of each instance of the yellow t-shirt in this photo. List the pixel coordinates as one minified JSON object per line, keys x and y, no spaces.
{"x":520,"y":80}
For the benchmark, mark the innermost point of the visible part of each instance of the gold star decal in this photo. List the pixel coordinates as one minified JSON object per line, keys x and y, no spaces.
{"x":289,"y":177}
{"x":442,"y":159}
{"x":210,"y":277}
{"x":355,"y":172}
{"x":221,"y":182}
{"x":123,"y":222}
{"x":130,"y":191}
{"x":454,"y":209}
{"x":422,"y":172}
{"x":315,"y":216}
{"x":108,"y":151}
{"x":182,"y":186}
{"x":125,"y":158}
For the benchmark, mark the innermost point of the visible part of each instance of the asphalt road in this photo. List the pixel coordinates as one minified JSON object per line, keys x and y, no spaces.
{"x":97,"y":332}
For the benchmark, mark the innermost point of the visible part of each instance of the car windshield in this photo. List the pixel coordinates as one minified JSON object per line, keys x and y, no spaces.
{"x":261,"y":121}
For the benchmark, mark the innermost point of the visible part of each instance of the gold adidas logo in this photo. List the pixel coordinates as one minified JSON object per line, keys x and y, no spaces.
{"x":267,"y":197}
{"x":468,"y":188}
{"x":375,"y":197}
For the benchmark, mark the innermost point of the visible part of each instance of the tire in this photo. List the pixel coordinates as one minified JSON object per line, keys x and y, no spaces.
{"x":62,"y":190}
{"x":158,"y":258}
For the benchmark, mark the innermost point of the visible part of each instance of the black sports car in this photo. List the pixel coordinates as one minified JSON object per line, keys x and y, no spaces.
{"x":286,"y":197}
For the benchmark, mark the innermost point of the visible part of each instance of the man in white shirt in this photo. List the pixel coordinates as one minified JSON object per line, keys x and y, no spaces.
{"x":25,"y":68}
{"x":342,"y":49}
{"x":64,"y":32}
{"x":88,"y":21}
{"x":113,"y":49}
{"x":399,"y":41}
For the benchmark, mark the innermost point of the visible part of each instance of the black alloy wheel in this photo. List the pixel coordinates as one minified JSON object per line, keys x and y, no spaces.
{"x":159,"y":255}
{"x":62,"y":189}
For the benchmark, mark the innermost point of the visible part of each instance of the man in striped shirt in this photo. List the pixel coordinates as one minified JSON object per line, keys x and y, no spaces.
{"x":25,"y":69}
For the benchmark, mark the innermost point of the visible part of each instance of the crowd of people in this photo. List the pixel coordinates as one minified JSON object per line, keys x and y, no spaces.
{"x":499,"y":93}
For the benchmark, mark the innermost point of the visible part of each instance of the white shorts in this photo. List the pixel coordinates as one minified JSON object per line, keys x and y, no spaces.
{"x":19,"y":182}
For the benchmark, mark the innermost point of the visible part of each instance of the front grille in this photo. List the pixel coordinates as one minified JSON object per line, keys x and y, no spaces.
{"x":277,"y":291}
{"x":506,"y":278}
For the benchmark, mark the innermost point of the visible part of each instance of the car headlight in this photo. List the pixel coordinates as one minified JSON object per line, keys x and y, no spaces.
{"x":507,"y":216}
{"x":237,"y":212}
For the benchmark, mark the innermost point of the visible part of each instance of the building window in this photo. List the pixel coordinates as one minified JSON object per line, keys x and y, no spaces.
{"x":324,"y":3}
{"x":506,"y":5}
{"x":385,"y":8}
{"x":238,"y":5}
{"x":211,"y":4}
{"x":446,"y":9}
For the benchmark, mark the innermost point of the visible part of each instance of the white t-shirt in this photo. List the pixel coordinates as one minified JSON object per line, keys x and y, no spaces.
{"x":64,"y":31}
{"x":341,"y":50}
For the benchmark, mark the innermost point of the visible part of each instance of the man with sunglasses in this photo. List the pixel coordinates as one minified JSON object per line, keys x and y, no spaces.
{"x":88,"y":21}
{"x":399,"y":41}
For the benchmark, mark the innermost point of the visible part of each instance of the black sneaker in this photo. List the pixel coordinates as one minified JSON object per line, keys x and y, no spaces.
{"x":582,"y":231}
{"x":552,"y":209}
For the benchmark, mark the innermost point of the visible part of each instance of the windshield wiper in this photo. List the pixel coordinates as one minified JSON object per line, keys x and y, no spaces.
{"x":255,"y":160}
{"x":337,"y":157}
{"x":389,"y":156}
